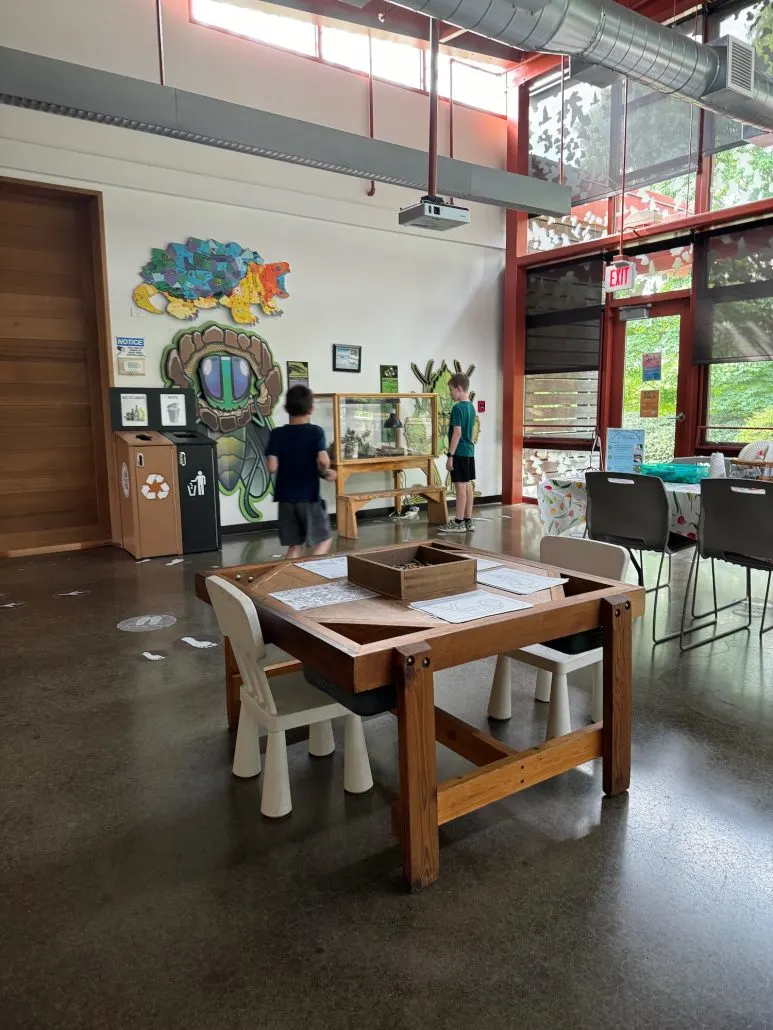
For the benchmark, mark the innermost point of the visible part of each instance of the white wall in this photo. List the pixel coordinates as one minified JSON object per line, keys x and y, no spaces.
{"x":120,"y":36}
{"x":356,"y":278}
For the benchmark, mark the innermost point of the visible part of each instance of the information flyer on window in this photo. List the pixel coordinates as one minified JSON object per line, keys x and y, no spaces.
{"x":625,"y":450}
{"x":652,"y":366}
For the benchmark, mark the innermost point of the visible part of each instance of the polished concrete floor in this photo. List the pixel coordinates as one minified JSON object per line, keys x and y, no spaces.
{"x":140,"y":887}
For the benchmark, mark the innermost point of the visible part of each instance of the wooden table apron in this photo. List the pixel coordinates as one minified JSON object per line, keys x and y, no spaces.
{"x":410,"y":660}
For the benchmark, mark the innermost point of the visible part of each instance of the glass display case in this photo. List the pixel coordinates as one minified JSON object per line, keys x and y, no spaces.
{"x":378,"y":427}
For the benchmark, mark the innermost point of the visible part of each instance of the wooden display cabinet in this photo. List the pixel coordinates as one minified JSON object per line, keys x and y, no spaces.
{"x":356,"y":423}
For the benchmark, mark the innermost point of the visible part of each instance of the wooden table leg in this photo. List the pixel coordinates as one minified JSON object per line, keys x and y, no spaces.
{"x":616,"y":728}
{"x":232,"y":684}
{"x":412,"y":666}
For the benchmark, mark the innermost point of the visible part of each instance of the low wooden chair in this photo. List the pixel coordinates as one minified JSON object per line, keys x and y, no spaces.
{"x":286,"y":703}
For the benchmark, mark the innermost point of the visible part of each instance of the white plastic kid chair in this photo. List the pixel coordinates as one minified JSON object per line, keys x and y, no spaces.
{"x":555,"y":660}
{"x":288,"y":702}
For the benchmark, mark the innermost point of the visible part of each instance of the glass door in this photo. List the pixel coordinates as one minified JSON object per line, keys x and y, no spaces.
{"x":646,"y":392}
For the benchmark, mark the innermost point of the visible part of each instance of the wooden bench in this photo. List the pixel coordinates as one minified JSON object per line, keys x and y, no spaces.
{"x":347,"y":505}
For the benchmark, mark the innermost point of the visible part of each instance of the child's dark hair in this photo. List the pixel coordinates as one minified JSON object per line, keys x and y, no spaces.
{"x":460,"y":381}
{"x":299,"y":400}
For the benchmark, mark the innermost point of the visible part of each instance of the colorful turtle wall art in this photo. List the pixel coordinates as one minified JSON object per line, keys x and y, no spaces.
{"x":200,"y":274}
{"x":238,"y":385}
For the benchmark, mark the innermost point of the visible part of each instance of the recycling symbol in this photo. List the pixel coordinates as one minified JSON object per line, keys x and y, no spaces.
{"x":155,"y":487}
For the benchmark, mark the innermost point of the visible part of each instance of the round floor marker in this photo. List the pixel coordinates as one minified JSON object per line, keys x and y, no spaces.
{"x":146,"y":623}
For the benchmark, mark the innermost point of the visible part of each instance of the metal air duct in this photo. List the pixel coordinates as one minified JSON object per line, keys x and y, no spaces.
{"x":604,"y":33}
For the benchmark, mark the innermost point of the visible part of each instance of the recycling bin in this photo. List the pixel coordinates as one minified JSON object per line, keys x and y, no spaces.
{"x":197,"y":486}
{"x":149,"y":498}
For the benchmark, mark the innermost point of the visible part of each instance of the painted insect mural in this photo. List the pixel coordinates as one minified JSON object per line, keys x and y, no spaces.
{"x":238,"y":385}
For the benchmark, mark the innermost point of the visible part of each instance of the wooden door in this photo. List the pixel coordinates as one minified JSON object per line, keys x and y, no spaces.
{"x":53,"y":469}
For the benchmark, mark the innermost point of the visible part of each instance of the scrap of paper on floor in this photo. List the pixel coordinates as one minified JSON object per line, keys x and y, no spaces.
{"x":476,"y":604}
{"x":518,"y":582}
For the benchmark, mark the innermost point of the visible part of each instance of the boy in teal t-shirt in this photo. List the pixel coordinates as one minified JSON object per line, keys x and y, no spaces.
{"x":461,"y":454}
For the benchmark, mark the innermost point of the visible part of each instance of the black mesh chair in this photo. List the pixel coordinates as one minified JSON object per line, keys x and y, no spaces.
{"x":632,"y":511}
{"x":736,"y":526}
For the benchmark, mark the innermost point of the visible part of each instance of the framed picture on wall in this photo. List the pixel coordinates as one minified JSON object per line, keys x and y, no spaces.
{"x":346,"y":358}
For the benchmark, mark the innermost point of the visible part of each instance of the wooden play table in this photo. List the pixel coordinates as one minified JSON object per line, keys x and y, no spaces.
{"x":371,"y":643}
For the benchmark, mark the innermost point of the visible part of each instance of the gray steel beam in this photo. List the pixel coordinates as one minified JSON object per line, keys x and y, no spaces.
{"x":42,"y":83}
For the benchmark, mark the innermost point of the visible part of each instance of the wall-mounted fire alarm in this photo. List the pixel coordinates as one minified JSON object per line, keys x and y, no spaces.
{"x":481,"y":406}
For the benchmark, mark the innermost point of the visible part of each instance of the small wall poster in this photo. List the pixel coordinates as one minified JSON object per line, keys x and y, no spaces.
{"x":625,"y":450}
{"x":172,"y":410}
{"x":651,"y":366}
{"x":297,"y":373}
{"x":134,"y":410}
{"x":389,"y":379}
{"x":649,"y":403}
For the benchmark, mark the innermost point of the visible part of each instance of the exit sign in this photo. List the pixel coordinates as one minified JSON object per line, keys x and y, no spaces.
{"x":620,"y":275}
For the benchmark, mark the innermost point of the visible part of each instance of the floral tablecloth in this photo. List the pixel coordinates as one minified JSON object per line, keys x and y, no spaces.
{"x":562,"y":503}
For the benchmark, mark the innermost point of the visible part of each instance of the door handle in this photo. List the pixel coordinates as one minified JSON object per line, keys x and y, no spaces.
{"x":183,"y":459}
{"x":680,"y":416}
{"x":140,"y":460}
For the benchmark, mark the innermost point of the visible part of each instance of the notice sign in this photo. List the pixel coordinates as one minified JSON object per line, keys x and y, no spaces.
{"x":651,"y":366}
{"x":649,"y":404}
{"x":130,"y":343}
{"x":620,"y":275}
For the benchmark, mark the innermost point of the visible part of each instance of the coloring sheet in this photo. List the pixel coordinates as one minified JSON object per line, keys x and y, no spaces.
{"x":517,"y":582}
{"x":330,"y":568}
{"x":324,"y":594}
{"x":486,"y":563}
{"x":477,"y":604}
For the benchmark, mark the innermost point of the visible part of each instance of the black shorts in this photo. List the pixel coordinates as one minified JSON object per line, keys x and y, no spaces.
{"x":463,"y":470}
{"x":303,"y":522}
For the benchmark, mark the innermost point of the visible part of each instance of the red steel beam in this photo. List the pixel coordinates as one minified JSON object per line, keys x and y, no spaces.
{"x":653,"y":233}
{"x":514,"y":337}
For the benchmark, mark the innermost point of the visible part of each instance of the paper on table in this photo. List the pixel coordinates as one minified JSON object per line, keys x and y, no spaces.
{"x":477,"y":604}
{"x":330,"y":568}
{"x":518,"y":582}
{"x":319,"y":596}
{"x":486,"y":563}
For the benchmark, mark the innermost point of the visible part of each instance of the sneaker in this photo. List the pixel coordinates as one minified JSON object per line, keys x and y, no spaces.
{"x":469,"y":525}
{"x":453,"y":527}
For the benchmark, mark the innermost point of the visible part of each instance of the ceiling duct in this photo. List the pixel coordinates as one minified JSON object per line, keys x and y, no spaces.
{"x":58,"y":87}
{"x":603,"y":33}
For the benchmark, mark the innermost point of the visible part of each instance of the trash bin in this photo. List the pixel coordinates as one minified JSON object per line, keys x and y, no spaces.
{"x":148,"y":492}
{"x":197,"y":484}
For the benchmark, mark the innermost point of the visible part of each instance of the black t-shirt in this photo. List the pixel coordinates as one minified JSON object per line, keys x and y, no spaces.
{"x":296,"y":448}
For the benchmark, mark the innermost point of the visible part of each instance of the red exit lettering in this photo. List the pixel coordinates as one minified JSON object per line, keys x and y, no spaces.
{"x":618,"y":277}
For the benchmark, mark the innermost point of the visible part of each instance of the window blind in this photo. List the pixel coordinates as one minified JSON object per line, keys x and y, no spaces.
{"x":735,"y":296}
{"x":563,"y":317}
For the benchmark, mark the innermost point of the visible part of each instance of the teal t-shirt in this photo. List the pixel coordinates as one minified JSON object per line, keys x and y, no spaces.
{"x":463,"y":414}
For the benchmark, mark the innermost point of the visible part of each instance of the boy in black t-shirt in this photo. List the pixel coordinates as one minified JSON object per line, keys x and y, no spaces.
{"x":296,"y":453}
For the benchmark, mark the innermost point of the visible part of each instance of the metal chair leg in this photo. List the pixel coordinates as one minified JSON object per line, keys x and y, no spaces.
{"x":765,"y":607}
{"x":716,"y":609}
{"x":682,"y":631}
{"x":727,"y":633}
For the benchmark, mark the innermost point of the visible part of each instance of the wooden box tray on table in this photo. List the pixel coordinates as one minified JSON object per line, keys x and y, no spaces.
{"x":413,"y":573}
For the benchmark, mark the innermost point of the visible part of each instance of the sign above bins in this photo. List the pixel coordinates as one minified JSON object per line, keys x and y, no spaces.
{"x":159,"y":408}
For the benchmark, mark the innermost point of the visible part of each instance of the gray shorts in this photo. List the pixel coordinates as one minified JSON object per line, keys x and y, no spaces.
{"x":303,"y":522}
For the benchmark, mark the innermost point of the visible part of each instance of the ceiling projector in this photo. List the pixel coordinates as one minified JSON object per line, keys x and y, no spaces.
{"x":434,"y":213}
